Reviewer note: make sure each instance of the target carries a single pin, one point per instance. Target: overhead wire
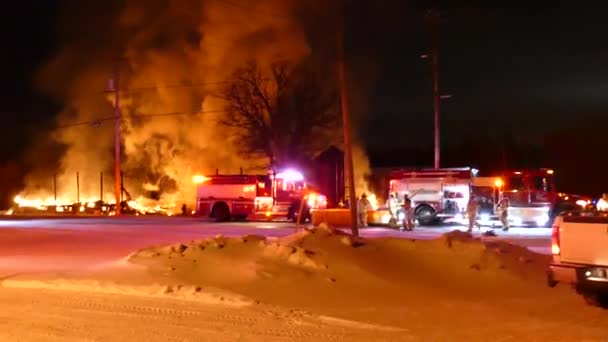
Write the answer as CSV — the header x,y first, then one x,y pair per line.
x,y
97,122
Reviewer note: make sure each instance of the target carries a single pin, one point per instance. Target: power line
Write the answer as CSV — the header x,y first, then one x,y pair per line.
x,y
97,122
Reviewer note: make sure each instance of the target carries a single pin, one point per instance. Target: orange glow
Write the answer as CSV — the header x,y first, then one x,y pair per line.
x,y
498,183
549,172
249,188
262,185
199,179
373,201
268,214
555,250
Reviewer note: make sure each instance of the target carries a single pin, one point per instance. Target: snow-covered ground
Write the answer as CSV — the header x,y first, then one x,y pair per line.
x,y
100,279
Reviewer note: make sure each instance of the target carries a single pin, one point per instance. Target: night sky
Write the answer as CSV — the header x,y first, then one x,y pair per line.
x,y
524,75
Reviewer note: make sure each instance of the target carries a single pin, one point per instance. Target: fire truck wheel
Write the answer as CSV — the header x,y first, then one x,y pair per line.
x,y
425,215
221,212
294,211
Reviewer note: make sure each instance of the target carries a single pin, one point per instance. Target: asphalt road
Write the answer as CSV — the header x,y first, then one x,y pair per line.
x,y
63,244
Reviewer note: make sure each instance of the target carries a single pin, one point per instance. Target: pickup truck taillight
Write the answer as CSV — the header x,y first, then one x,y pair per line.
x,y
555,250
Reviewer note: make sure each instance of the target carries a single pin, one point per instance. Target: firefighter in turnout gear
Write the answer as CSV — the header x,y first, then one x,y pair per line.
x,y
364,207
472,211
394,206
503,212
408,213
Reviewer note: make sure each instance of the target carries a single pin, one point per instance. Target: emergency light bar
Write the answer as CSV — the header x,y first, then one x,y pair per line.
x,y
290,176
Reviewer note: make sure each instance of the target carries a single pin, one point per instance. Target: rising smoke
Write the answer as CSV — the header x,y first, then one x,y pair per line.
x,y
174,57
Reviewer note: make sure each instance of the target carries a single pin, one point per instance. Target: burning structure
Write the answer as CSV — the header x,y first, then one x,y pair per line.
x,y
175,55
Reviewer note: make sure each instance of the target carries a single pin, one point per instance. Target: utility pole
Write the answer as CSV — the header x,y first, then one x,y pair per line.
x,y
117,138
434,17
348,151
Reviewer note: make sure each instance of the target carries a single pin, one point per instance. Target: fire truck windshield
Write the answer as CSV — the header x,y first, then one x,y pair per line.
x,y
516,183
264,188
542,183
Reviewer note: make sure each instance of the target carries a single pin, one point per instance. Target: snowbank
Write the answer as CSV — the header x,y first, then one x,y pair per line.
x,y
336,270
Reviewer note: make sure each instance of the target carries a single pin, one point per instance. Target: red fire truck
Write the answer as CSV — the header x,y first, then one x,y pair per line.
x,y
270,196
442,194
533,198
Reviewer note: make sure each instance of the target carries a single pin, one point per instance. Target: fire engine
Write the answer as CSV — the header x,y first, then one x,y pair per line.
x,y
533,198
442,194
271,196
436,194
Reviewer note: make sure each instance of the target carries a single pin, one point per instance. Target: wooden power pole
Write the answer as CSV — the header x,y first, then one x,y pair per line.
x,y
348,151
434,18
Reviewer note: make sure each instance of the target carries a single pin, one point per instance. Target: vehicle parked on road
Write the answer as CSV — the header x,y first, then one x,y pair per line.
x,y
246,196
580,254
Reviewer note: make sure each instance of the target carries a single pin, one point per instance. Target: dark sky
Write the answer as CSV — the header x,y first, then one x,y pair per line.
x,y
27,35
522,71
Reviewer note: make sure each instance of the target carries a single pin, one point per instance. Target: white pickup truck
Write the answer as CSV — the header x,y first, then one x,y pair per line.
x,y
579,246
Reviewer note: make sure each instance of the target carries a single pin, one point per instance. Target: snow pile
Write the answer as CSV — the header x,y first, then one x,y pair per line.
x,y
336,269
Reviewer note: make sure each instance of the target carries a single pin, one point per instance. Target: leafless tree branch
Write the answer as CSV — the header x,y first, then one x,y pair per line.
x,y
277,113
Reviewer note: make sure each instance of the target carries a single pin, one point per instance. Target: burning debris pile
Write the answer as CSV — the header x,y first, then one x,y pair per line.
x,y
173,64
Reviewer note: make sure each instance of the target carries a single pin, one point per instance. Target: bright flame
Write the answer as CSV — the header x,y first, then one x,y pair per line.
x,y
32,203
42,204
373,201
140,205
498,183
316,201
199,179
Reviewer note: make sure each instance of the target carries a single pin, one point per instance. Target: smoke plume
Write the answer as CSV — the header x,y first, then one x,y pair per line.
x,y
174,57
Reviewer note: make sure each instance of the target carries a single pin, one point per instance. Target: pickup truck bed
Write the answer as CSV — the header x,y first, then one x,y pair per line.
x,y
580,253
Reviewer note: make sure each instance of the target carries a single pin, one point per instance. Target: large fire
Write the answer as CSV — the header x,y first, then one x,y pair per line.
x,y
175,56
174,60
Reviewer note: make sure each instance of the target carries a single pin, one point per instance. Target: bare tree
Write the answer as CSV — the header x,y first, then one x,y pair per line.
x,y
281,113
